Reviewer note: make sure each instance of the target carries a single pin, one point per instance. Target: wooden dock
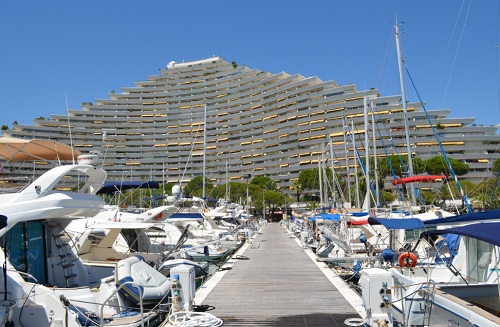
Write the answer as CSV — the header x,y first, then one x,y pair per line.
x,y
277,283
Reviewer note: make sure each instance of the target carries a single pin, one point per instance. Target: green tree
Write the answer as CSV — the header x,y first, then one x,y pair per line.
x,y
387,197
297,187
167,188
312,205
237,191
486,194
399,163
496,166
264,182
5,127
195,186
428,197
467,187
437,165
274,200
309,178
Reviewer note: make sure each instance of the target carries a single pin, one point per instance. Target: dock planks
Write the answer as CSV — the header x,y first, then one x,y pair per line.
x,y
279,285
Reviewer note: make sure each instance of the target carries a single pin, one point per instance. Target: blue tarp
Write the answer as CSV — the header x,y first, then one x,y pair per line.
x,y
488,232
397,223
186,215
325,216
469,217
330,216
112,187
453,242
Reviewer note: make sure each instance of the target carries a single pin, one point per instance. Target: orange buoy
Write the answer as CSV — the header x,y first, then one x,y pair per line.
x,y
407,259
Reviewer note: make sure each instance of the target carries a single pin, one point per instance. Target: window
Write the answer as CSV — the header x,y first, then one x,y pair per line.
x,y
26,247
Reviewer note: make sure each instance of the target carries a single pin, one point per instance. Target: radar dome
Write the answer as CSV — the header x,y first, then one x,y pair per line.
x,y
176,190
87,159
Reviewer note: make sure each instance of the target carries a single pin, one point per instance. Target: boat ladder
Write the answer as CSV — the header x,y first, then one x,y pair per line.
x,y
65,254
428,296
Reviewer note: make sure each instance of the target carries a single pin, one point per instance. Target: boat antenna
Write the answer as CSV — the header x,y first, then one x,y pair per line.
x,y
69,128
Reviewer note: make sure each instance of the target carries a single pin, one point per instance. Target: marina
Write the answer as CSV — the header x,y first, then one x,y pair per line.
x,y
285,214
73,260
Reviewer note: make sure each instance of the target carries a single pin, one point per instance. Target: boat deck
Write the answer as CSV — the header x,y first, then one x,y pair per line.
x,y
277,283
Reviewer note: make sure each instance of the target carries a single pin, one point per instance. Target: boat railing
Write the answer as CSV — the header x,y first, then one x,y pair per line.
x,y
116,291
429,293
25,274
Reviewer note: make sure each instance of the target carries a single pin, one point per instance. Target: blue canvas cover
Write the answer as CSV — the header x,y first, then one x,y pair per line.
x,y
186,215
397,223
330,216
487,231
453,242
469,217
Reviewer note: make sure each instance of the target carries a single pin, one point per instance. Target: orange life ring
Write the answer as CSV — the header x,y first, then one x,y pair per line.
x,y
407,259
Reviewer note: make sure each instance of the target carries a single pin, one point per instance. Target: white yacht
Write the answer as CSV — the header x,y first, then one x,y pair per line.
x,y
44,283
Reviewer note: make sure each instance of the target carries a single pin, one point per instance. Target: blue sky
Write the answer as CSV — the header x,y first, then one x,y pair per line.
x,y
82,50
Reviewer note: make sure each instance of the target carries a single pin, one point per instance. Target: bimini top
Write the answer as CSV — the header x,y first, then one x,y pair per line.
x,y
330,216
418,178
18,149
488,232
469,217
325,216
397,223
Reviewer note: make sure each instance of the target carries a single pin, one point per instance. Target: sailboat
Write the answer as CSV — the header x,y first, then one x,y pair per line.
x,y
453,281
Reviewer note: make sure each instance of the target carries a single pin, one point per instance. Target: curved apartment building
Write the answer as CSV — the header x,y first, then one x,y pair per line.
x,y
257,123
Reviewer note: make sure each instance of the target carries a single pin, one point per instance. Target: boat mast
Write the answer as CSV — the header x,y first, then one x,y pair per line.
x,y
348,177
227,184
323,171
334,177
70,137
320,182
405,112
204,146
377,191
355,163
367,154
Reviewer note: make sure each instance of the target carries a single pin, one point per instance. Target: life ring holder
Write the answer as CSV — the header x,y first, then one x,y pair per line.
x,y
407,259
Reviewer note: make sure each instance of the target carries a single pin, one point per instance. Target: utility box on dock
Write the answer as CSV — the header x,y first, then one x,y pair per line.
x,y
376,293
303,238
183,287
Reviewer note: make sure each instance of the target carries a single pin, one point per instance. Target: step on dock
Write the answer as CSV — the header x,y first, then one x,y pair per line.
x,y
277,283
